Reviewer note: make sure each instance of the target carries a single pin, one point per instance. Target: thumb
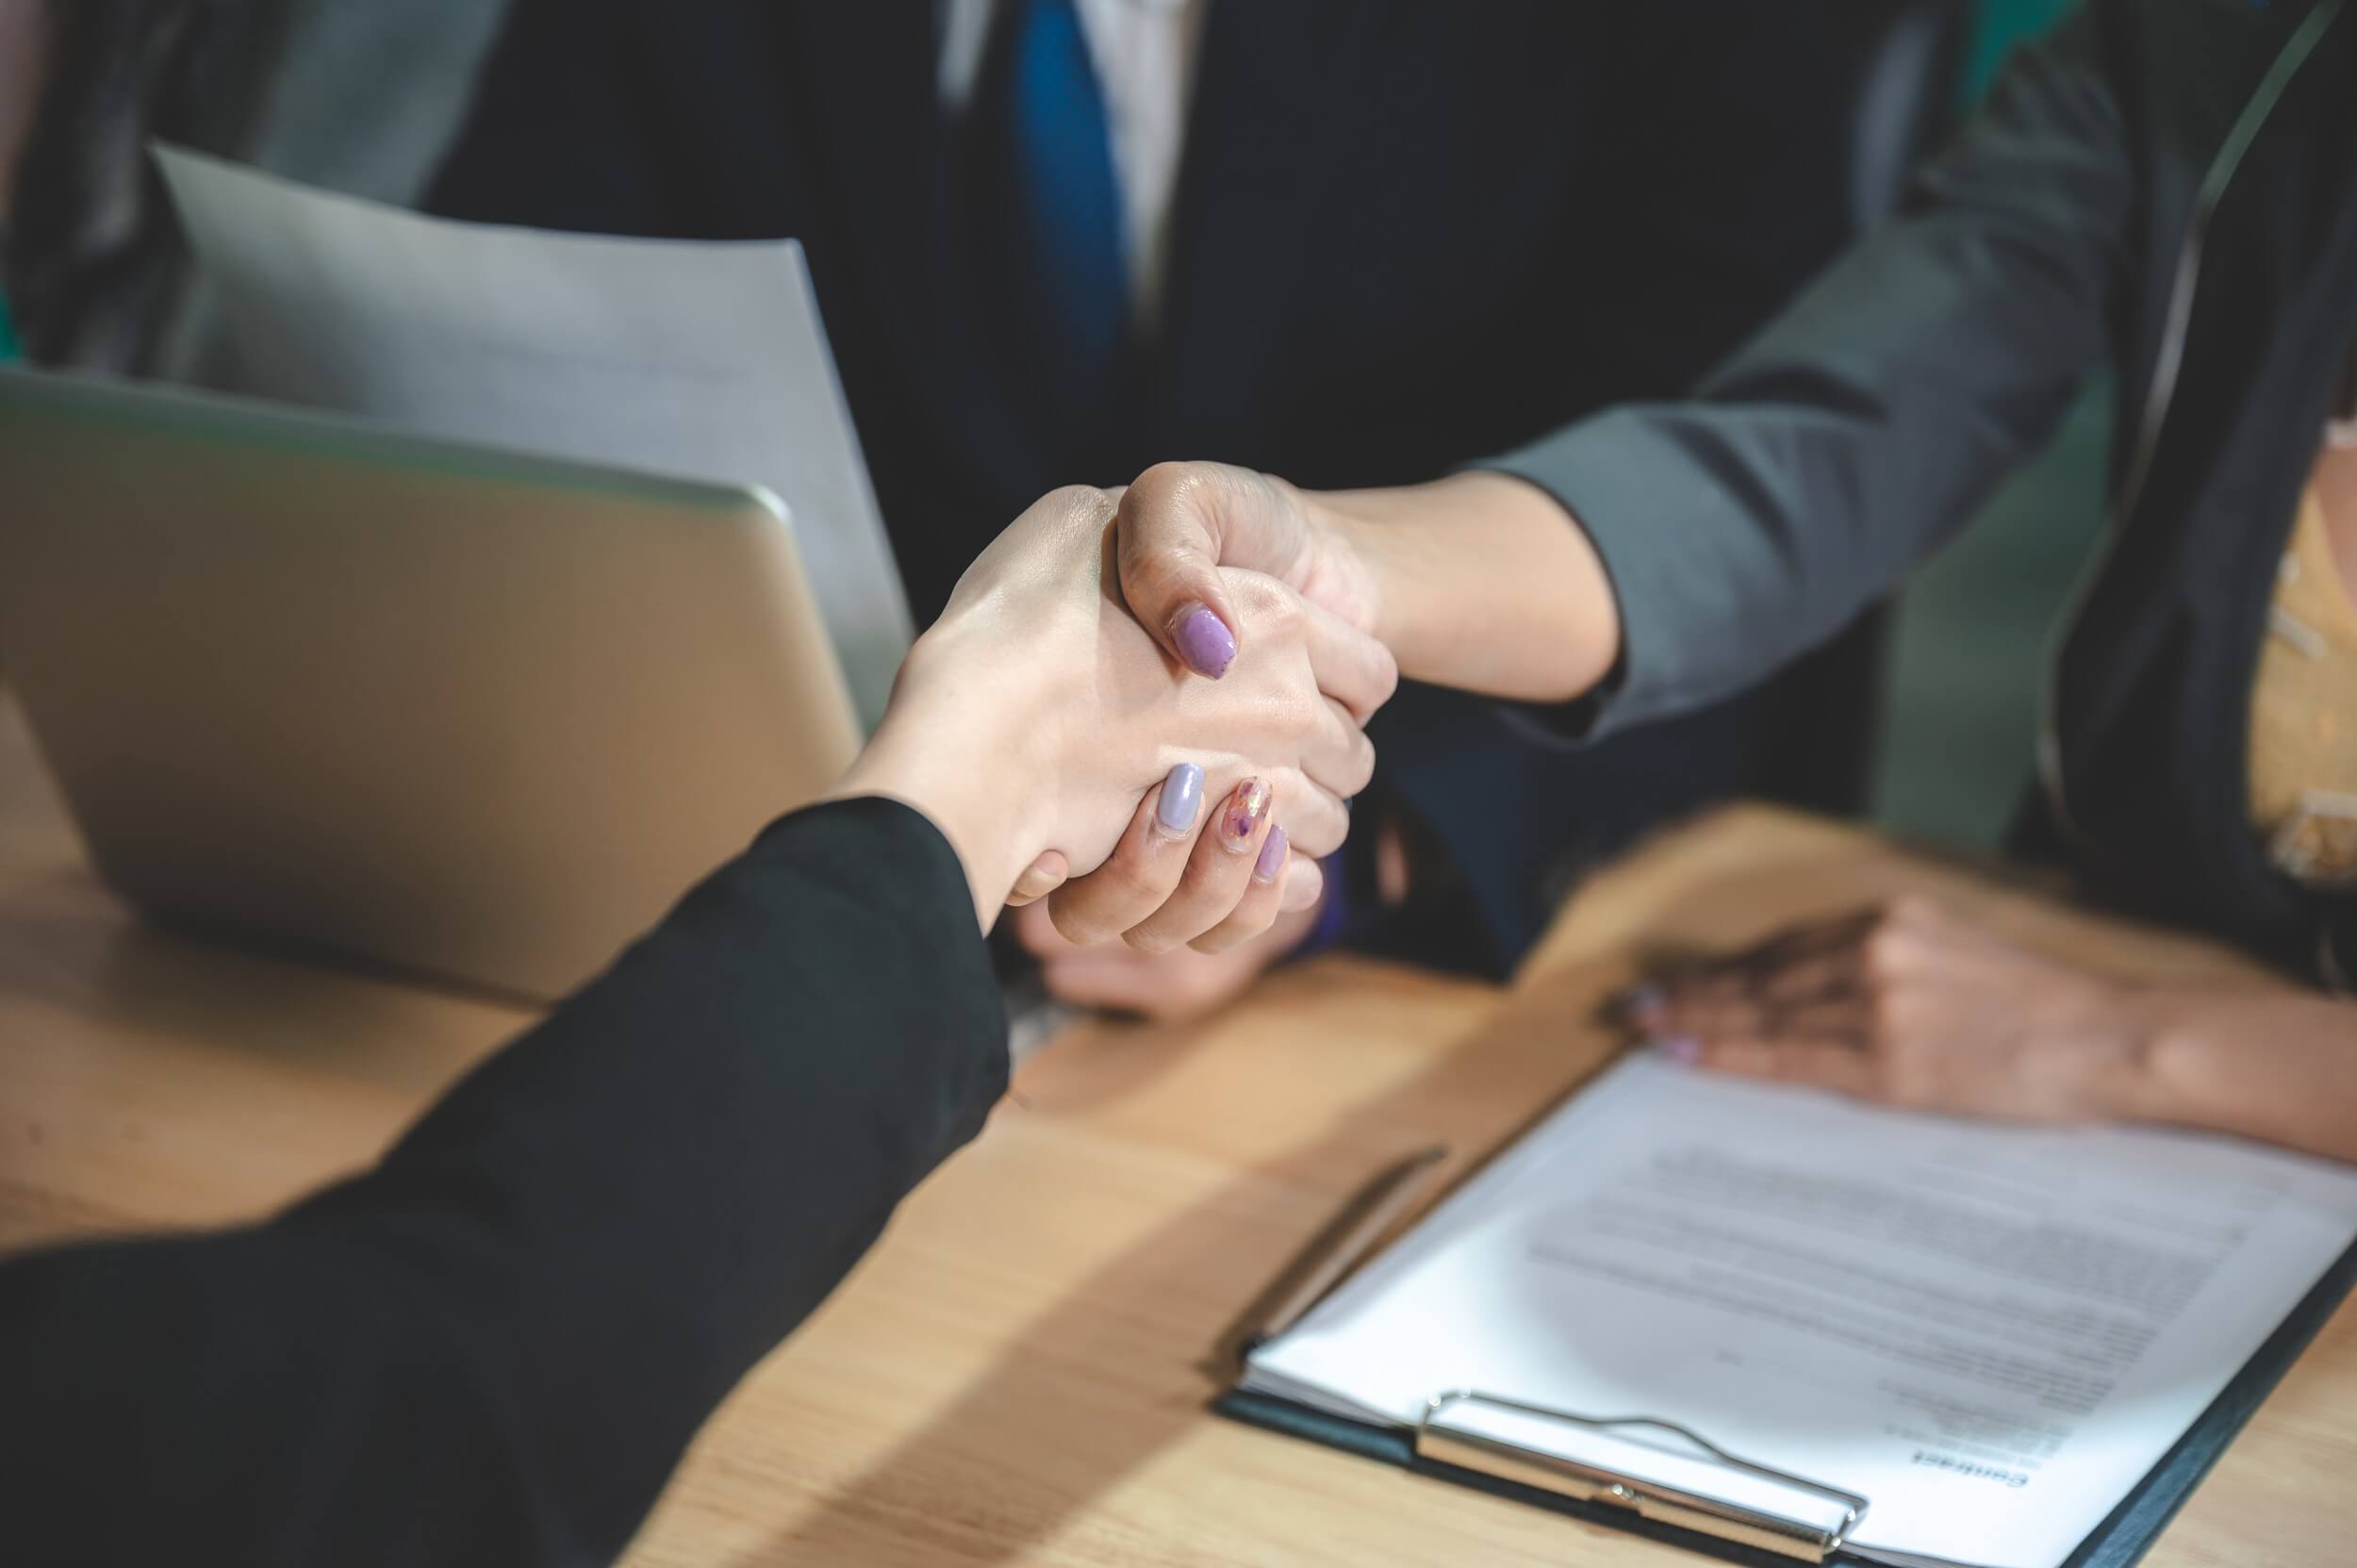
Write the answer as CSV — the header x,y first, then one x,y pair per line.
x,y
1175,526
1041,878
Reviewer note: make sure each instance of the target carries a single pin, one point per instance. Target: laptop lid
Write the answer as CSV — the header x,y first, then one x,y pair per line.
x,y
461,711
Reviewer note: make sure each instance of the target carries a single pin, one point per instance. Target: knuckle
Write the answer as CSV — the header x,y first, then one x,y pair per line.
x,y
1218,939
1137,883
1211,884
1267,603
1886,949
1251,917
1076,925
1163,482
1082,504
1117,895
1080,496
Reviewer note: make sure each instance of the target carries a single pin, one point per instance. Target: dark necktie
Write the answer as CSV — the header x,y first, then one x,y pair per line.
x,y
1053,281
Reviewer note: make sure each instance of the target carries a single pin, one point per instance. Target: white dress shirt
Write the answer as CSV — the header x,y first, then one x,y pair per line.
x,y
1143,51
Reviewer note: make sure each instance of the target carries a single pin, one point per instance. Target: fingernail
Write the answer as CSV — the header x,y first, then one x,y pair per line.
x,y
1181,801
1682,1048
1242,820
1204,641
1272,856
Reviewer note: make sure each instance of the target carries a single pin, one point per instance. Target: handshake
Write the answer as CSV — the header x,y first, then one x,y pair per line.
x,y
1147,708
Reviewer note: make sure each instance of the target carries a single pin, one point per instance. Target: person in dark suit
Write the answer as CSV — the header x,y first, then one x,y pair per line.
x,y
2167,188
493,1347
1359,241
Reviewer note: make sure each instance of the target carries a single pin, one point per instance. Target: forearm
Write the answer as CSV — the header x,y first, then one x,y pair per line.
x,y
1482,582
1740,528
496,1344
992,809
2277,1068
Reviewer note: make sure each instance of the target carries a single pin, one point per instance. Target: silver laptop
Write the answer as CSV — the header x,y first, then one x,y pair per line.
x,y
460,712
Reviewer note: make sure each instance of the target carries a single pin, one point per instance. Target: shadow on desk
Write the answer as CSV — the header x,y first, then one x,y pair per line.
x,y
1090,1391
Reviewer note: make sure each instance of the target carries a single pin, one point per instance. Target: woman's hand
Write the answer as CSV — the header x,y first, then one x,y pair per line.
x,y
1909,1006
1479,581
1165,987
1191,872
1035,717
1914,1006
1179,522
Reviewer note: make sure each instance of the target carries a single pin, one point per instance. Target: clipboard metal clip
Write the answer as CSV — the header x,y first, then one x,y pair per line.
x,y
1811,1540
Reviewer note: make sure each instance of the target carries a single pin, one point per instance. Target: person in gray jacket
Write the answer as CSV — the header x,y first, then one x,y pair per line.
x,y
2164,187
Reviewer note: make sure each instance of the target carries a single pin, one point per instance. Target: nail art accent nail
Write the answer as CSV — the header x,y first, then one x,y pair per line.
x,y
1242,820
1182,801
1682,1048
1272,856
1204,641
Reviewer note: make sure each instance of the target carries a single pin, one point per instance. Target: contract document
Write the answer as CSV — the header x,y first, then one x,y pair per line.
x,y
1989,1333
703,360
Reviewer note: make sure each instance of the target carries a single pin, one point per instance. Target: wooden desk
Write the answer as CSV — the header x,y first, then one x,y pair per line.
x,y
1014,1375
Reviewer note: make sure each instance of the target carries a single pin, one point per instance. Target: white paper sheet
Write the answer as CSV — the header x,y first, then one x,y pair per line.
x,y
701,359
1991,1332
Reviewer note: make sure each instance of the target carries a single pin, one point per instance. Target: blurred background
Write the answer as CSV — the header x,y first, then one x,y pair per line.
x,y
364,98
1967,656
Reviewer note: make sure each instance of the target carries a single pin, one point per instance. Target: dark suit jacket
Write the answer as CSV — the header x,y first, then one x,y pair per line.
x,y
1406,235
494,1348
2168,189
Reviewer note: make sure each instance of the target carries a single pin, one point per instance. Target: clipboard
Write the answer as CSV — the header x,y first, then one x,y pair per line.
x,y
1753,1537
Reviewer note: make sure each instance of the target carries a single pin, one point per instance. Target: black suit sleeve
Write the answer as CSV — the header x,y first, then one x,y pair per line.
x,y
494,1347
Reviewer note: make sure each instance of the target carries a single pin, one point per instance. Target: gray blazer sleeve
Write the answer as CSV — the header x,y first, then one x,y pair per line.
x,y
1858,430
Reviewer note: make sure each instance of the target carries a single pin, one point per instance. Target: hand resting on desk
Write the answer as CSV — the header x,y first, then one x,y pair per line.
x,y
1916,1006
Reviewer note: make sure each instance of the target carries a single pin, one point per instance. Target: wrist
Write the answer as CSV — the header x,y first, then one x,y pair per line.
x,y
2133,1071
959,744
1351,562
1481,581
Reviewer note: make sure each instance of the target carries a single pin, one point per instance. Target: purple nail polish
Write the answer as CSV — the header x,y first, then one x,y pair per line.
x,y
1272,856
1682,1048
1182,801
1245,809
1205,642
